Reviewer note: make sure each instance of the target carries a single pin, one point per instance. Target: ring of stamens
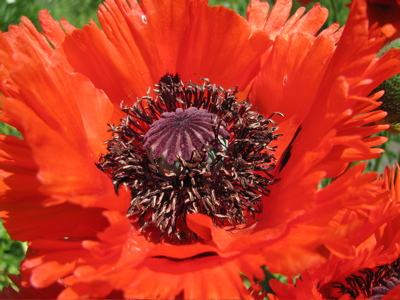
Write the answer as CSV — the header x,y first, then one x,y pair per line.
x,y
228,188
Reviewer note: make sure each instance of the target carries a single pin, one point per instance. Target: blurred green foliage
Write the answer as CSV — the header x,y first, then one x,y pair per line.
x,y
11,254
390,157
8,130
77,12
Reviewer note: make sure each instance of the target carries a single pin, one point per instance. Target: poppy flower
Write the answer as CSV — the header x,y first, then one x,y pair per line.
x,y
373,272
188,189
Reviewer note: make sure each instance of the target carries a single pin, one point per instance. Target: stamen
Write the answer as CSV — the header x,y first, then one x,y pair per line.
x,y
191,149
374,283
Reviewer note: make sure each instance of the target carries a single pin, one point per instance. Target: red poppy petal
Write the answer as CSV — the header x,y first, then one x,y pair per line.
x,y
277,18
53,30
386,2
277,22
77,129
145,42
98,289
286,90
257,13
292,86
384,15
310,23
22,290
393,294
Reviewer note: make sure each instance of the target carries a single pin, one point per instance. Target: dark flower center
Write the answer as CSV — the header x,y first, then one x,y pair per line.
x,y
180,133
190,149
373,284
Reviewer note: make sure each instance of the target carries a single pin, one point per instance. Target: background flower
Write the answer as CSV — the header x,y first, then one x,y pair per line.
x,y
376,243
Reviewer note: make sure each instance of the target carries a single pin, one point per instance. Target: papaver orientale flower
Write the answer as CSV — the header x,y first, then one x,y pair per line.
x,y
180,147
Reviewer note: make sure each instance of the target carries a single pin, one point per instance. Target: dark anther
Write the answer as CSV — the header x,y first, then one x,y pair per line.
x,y
288,151
187,149
373,284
